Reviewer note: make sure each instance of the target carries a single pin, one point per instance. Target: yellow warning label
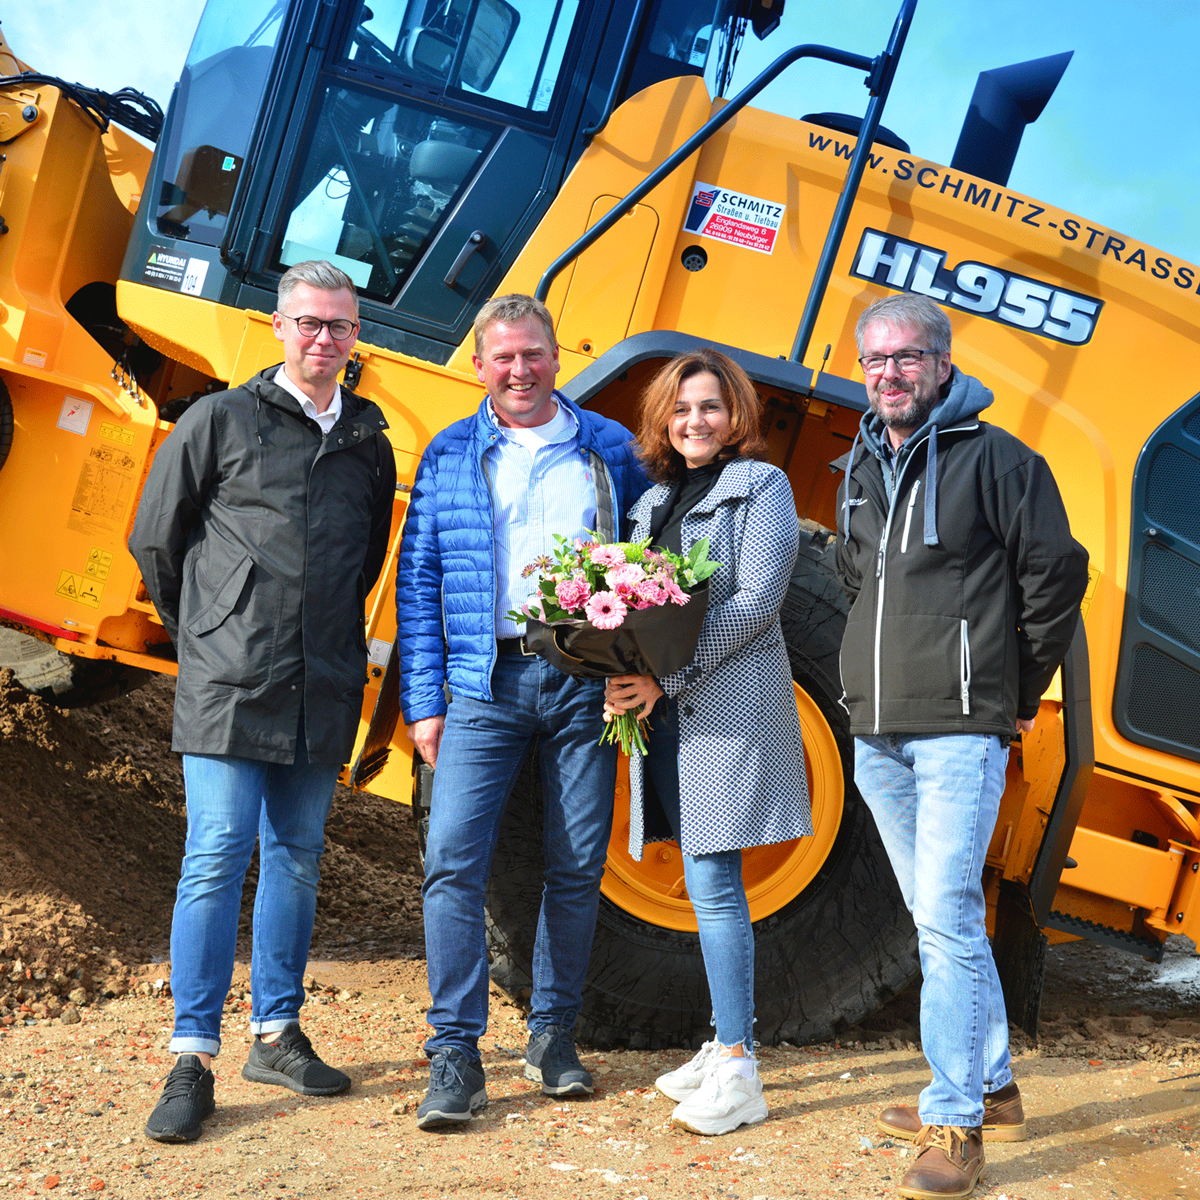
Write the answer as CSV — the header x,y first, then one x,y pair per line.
x,y
99,563
117,433
77,588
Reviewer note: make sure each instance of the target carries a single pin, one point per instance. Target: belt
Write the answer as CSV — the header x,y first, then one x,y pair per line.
x,y
512,646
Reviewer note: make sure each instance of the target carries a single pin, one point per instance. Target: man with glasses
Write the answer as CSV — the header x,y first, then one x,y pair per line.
x,y
262,527
965,584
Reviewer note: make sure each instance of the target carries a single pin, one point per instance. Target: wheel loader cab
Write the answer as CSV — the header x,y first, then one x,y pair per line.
x,y
414,143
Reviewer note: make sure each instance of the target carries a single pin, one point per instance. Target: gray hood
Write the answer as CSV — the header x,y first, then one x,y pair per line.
x,y
963,399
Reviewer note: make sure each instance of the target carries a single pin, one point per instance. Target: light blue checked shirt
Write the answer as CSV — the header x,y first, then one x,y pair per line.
x,y
540,485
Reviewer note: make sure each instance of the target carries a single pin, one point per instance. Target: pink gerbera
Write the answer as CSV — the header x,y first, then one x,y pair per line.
x,y
605,610
675,593
608,556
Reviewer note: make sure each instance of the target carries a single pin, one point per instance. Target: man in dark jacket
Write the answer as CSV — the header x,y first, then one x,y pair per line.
x,y
491,492
263,525
965,584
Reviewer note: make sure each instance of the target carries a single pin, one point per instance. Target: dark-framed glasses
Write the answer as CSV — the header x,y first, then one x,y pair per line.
x,y
906,360
339,329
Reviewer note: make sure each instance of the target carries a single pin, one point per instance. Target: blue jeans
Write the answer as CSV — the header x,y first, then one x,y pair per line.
x,y
935,799
482,750
714,886
230,802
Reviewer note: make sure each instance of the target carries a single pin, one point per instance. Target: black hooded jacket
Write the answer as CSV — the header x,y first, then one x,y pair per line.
x,y
258,540
964,582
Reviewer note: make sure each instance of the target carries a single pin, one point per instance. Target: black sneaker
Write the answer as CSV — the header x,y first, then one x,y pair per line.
x,y
292,1062
551,1060
186,1102
456,1090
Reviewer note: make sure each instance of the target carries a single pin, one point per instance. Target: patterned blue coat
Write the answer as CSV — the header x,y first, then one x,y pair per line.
x,y
741,759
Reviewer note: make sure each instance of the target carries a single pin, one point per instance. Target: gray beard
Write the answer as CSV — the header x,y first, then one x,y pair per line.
x,y
915,421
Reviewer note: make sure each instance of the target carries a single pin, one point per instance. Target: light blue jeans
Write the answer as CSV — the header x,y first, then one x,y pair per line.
x,y
230,802
482,750
714,886
935,799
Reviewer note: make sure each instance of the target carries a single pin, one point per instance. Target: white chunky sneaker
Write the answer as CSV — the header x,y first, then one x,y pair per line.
x,y
680,1083
725,1100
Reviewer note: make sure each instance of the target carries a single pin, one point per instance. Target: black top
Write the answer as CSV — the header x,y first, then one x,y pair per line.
x,y
666,519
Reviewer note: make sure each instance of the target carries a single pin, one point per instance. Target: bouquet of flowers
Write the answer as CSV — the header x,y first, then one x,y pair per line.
x,y
604,609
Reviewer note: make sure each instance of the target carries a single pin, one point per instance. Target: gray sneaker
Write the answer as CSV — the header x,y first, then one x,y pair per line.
x,y
456,1090
552,1061
292,1062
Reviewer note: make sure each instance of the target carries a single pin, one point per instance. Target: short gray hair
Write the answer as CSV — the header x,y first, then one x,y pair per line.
x,y
508,310
905,308
317,274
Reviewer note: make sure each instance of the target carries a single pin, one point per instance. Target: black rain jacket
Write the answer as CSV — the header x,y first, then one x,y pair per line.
x,y
964,584
259,540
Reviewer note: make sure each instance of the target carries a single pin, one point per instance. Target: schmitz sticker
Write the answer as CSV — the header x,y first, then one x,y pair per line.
x,y
975,287
725,216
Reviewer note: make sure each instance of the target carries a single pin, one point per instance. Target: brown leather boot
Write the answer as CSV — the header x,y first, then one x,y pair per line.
x,y
1003,1118
949,1163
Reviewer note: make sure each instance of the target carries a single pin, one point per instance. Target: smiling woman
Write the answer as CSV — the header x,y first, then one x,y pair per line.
x,y
700,425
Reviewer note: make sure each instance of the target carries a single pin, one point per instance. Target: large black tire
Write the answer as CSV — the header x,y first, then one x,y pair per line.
x,y
64,679
824,960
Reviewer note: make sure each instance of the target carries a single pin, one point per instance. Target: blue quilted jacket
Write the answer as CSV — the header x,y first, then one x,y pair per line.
x,y
446,577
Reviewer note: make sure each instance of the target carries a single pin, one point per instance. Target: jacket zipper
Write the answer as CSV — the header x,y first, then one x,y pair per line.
x,y
881,575
881,564
492,539
964,651
912,501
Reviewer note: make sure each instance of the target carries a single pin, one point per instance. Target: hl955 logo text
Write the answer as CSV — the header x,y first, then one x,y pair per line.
x,y
973,287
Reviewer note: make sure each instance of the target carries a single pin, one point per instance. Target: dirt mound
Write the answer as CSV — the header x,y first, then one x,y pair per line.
x,y
92,826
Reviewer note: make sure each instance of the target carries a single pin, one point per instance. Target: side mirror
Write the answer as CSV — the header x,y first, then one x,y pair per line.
x,y
493,24
427,52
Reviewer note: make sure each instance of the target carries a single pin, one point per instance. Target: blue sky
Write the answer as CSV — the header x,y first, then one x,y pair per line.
x,y
1117,143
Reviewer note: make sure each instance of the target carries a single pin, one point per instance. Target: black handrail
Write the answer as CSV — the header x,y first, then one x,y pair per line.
x,y
623,206
880,85
622,70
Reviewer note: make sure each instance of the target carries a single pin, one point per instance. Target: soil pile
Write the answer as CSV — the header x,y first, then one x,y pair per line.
x,y
92,828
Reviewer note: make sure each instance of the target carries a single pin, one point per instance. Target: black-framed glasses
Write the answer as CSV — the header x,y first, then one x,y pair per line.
x,y
906,360
339,329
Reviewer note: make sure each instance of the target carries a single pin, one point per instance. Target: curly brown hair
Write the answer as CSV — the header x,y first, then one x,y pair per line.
x,y
663,463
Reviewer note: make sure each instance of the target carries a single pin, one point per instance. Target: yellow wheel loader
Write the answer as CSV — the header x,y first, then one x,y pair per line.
x,y
445,151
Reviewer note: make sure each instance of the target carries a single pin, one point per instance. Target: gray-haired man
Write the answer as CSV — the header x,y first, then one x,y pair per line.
x,y
964,581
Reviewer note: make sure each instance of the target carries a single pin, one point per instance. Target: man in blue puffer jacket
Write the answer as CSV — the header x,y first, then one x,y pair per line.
x,y
491,492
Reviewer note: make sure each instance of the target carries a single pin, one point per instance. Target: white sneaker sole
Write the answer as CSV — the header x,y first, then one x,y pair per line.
x,y
438,1118
750,1113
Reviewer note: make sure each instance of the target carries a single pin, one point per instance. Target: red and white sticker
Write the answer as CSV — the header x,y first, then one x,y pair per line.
x,y
727,216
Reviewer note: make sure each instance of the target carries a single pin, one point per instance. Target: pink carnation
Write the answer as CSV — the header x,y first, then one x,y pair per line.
x,y
608,556
650,594
605,610
572,593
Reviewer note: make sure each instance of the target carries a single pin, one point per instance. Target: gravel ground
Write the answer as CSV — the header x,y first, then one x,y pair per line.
x,y
91,832
1111,1099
